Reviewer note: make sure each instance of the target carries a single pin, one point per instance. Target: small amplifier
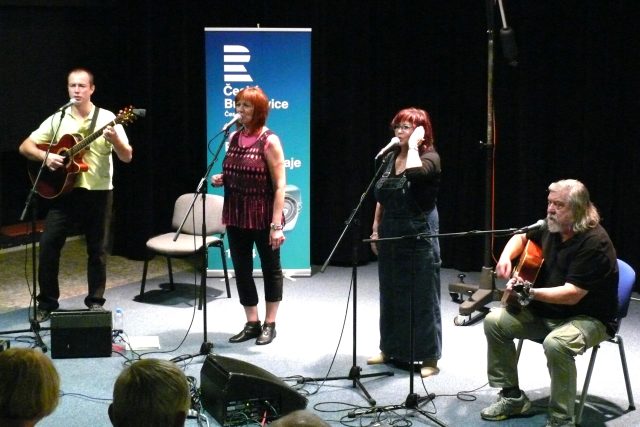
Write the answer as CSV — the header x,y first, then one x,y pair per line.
x,y
80,333
236,392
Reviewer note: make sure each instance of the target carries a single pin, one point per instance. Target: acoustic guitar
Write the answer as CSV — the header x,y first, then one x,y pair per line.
x,y
526,271
51,184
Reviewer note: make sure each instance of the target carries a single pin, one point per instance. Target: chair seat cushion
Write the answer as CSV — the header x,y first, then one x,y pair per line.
x,y
185,244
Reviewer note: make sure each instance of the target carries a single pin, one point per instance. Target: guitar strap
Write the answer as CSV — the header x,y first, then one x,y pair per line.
x,y
94,119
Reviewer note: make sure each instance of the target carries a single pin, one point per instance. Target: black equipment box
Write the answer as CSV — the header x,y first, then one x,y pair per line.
x,y
233,390
80,333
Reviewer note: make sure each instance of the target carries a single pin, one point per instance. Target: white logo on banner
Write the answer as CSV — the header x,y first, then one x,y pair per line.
x,y
234,58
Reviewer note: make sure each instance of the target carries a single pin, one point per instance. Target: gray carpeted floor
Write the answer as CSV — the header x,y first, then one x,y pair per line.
x,y
315,340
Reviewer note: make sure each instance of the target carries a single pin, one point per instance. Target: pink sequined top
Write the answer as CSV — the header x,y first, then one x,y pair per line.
x,y
248,189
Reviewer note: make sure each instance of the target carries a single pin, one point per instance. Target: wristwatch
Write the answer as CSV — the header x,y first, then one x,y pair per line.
x,y
275,226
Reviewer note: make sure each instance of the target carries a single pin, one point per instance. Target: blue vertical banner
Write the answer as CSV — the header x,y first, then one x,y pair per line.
x,y
278,60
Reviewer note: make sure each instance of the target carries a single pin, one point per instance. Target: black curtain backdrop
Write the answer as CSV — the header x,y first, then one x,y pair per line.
x,y
568,110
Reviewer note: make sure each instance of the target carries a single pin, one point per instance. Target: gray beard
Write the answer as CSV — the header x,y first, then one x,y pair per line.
x,y
553,226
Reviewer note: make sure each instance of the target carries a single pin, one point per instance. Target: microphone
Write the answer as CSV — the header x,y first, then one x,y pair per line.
x,y
395,141
509,46
541,223
71,102
140,112
235,118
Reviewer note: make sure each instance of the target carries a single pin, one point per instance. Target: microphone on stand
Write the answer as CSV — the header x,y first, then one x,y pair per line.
x,y
140,112
509,46
71,102
230,123
541,223
395,141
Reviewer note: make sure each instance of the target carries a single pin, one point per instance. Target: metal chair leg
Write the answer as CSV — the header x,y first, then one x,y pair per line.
x,y
172,286
144,276
585,386
224,268
623,359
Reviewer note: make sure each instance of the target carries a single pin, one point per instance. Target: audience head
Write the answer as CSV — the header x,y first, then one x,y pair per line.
x,y
152,393
29,386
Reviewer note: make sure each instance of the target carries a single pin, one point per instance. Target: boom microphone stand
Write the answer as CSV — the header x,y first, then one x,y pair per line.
x,y
201,191
33,322
355,372
413,400
30,205
486,291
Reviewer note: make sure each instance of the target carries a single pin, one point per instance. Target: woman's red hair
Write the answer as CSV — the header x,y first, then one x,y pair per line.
x,y
416,117
260,102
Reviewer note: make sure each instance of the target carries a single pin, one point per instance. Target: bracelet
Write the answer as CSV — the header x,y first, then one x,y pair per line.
x,y
275,226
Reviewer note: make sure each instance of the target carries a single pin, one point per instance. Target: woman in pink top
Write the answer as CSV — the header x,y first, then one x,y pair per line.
x,y
253,177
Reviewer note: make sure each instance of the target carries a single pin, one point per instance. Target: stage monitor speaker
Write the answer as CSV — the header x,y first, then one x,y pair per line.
x,y
80,333
235,392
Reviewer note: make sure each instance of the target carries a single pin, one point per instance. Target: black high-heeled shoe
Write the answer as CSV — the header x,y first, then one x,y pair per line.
x,y
251,330
268,333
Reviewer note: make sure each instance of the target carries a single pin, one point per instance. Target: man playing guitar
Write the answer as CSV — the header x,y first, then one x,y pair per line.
x,y
88,201
571,308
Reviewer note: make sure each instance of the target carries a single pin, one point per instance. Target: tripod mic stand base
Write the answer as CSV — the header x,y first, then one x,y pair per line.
x,y
355,376
35,328
206,348
414,400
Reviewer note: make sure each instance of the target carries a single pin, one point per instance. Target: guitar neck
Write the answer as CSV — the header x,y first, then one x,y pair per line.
x,y
89,139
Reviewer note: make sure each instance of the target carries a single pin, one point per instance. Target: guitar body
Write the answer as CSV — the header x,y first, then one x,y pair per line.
x,y
527,270
529,263
72,147
53,183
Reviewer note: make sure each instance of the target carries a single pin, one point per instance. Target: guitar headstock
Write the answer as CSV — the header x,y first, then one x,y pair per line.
x,y
129,114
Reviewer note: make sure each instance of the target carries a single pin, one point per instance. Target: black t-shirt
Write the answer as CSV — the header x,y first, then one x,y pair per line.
x,y
424,181
588,261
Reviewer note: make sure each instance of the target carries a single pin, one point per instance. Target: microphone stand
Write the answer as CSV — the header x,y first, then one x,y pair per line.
x,y
355,372
482,293
494,293
201,190
414,400
30,205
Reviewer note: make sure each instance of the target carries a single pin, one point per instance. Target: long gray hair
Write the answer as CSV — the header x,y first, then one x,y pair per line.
x,y
585,214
